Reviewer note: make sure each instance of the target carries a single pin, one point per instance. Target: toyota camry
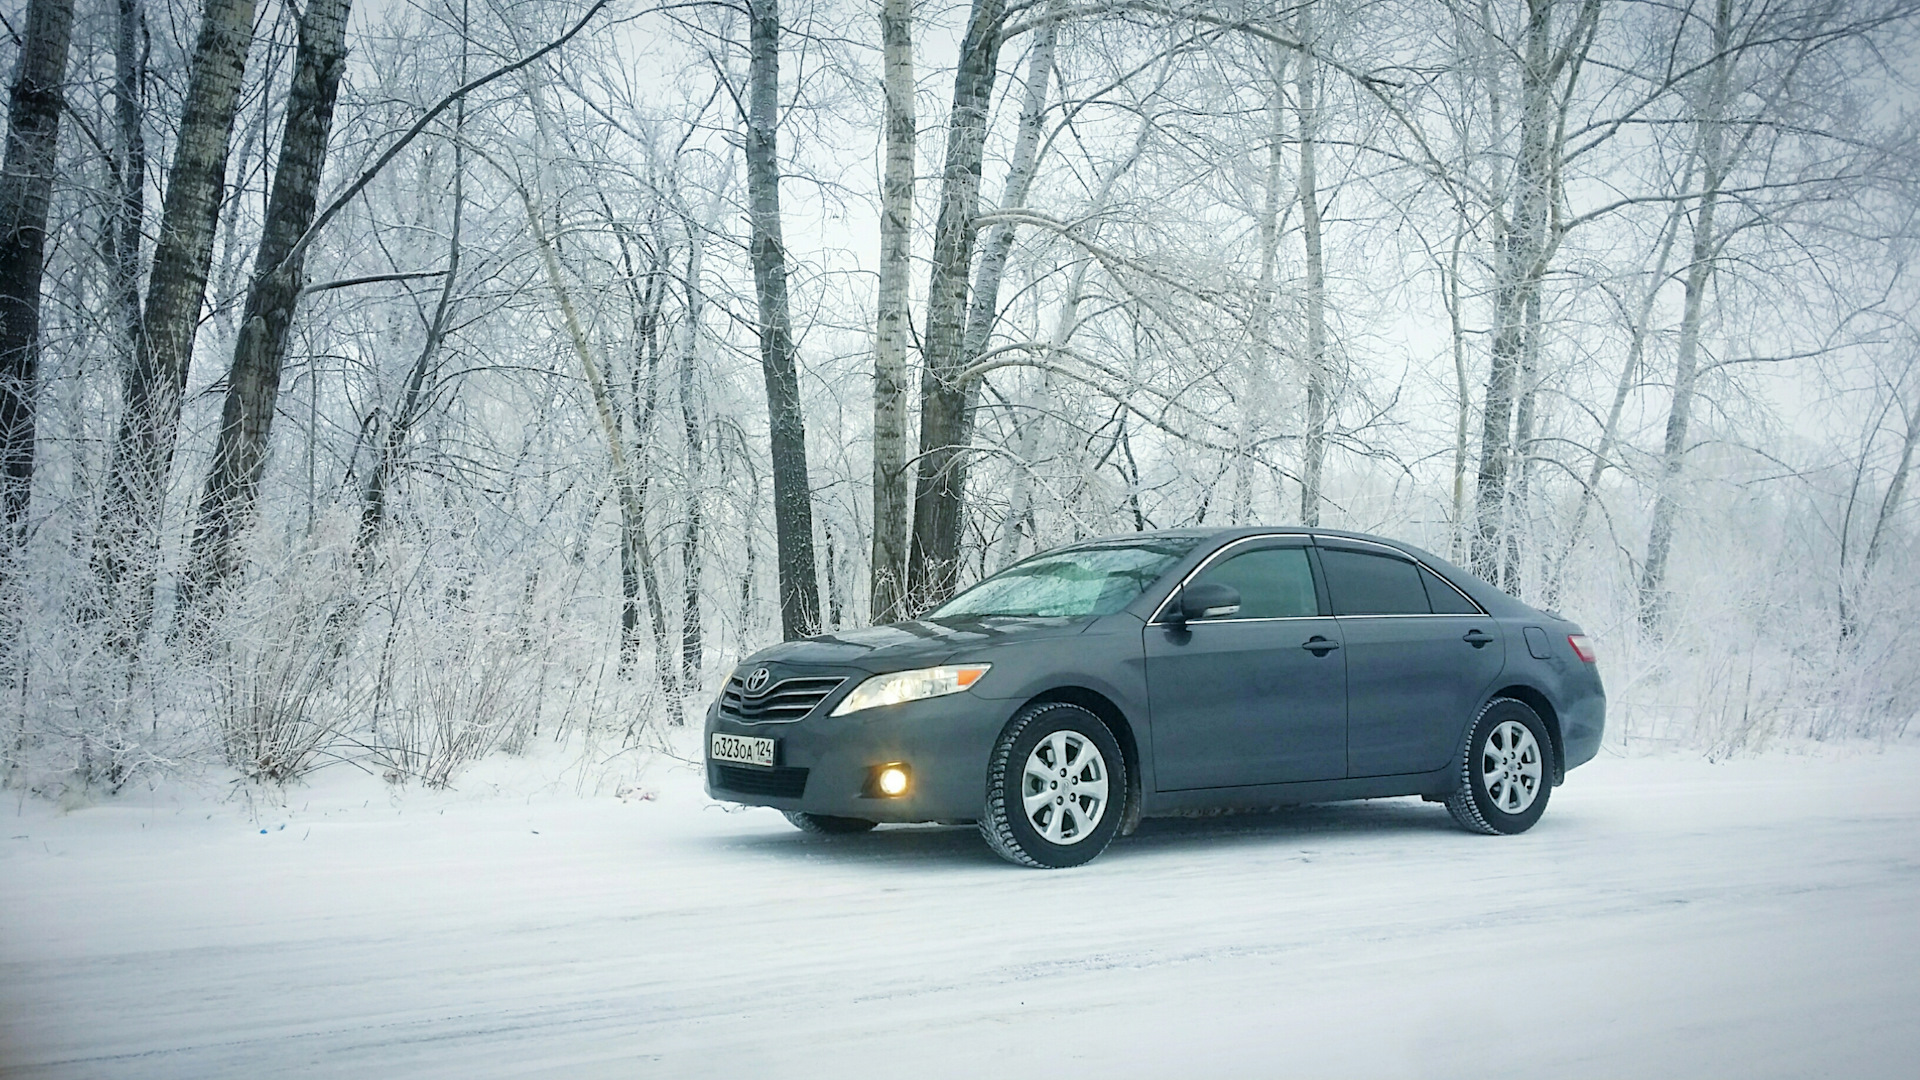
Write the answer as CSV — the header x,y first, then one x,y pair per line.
x,y
1061,700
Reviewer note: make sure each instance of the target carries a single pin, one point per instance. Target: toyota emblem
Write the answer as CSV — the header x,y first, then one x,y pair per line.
x,y
757,681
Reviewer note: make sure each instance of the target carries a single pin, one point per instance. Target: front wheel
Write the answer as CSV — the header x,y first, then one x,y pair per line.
x,y
1506,776
1056,787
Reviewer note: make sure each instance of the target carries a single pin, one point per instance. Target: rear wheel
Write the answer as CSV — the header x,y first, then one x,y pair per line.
x,y
1506,776
1056,787
824,825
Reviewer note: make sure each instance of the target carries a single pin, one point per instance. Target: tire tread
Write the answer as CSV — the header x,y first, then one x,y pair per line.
x,y
995,826
1461,804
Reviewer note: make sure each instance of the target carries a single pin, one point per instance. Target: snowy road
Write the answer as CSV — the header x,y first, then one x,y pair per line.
x,y
1669,917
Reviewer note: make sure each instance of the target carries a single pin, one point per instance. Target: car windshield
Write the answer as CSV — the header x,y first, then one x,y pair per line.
x,y
1098,579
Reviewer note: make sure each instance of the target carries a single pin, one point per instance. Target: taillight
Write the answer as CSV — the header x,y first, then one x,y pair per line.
x,y
1582,648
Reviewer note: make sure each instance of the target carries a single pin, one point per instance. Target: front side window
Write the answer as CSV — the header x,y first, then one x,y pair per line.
x,y
1273,583
1098,579
1366,584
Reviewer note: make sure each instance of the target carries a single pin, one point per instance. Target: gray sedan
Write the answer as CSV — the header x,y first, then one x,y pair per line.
x,y
1058,702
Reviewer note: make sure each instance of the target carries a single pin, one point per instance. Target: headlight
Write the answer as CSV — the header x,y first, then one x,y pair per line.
x,y
899,686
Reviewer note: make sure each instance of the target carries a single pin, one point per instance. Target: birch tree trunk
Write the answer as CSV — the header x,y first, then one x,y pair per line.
x,y
1713,173
128,540
1314,445
259,354
1463,400
939,482
792,492
690,630
130,48
893,332
26,191
983,309
1255,387
1517,270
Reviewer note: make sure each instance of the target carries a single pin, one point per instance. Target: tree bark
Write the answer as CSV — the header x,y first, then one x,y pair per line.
x,y
130,49
259,355
1713,172
1463,401
26,192
1517,274
983,309
691,639
1256,385
1314,445
893,332
939,482
127,543
792,491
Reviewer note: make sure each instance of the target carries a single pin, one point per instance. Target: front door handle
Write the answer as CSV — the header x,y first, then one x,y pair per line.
x,y
1477,638
1319,646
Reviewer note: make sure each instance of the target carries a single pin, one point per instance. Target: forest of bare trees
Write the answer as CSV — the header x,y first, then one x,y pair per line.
x,y
390,385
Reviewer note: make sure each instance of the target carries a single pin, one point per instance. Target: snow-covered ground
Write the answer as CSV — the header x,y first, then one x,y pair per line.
x,y
1669,917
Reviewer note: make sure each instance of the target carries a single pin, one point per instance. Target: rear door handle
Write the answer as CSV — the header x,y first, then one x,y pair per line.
x,y
1319,646
1477,638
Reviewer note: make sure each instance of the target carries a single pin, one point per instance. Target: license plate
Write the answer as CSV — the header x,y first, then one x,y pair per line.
x,y
744,749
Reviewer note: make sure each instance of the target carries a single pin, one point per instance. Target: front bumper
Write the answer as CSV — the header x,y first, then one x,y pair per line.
x,y
944,741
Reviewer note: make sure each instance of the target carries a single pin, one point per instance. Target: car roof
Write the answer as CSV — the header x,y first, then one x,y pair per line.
x,y
1491,597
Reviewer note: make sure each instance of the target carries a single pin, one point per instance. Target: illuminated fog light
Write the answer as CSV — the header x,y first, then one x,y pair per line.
x,y
892,781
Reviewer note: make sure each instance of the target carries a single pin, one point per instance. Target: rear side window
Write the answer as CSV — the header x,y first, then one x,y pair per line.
x,y
1273,583
1364,584
1446,599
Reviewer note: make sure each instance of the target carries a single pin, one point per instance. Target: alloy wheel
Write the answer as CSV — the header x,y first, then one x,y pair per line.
x,y
1063,788
1510,767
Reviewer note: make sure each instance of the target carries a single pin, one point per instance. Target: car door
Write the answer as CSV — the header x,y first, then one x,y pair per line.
x,y
1419,657
1257,697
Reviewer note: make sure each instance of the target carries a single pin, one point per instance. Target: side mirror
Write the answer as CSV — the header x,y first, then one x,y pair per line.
x,y
1207,601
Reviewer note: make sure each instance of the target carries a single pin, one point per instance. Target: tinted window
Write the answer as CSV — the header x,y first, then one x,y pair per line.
x,y
1093,580
1274,583
1446,599
1364,584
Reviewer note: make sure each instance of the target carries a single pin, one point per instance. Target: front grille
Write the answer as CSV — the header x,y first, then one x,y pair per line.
x,y
780,783
788,699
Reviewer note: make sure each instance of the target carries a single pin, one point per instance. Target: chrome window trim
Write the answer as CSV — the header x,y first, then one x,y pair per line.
x,y
1266,619
1335,541
1222,550
1314,541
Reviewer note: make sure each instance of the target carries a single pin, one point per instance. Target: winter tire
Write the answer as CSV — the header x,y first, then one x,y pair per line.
x,y
1506,773
1056,787
823,825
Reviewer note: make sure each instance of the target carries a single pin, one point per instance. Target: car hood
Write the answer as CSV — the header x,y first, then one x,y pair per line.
x,y
896,646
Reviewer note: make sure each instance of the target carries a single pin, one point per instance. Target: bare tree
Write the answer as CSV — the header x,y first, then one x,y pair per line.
x,y
131,49
891,505
1314,444
253,378
26,188
939,483
1521,253
691,637
127,543
792,489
